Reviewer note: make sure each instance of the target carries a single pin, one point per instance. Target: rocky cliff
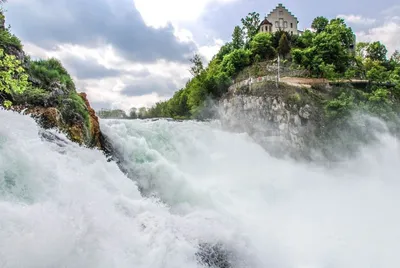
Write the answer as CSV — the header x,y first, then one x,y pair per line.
x,y
284,120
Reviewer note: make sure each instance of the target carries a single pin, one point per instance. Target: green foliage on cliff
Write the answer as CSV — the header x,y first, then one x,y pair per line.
x,y
13,77
7,39
261,47
329,46
48,72
379,102
73,109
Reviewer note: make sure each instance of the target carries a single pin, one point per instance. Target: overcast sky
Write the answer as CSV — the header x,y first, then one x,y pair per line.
x,y
126,53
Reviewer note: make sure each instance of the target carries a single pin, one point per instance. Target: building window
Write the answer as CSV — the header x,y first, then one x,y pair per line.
x,y
280,13
291,25
291,32
285,24
277,24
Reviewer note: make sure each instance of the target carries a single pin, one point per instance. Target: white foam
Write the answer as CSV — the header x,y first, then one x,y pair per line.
x,y
69,207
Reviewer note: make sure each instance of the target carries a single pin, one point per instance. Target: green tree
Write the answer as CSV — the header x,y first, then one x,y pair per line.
x,y
319,24
329,47
395,58
197,93
377,72
142,113
197,66
361,49
276,37
284,46
133,113
178,106
224,50
305,40
13,77
236,61
341,31
377,51
251,25
262,45
237,38
328,71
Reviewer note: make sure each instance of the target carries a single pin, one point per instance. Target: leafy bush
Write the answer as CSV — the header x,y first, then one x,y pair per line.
x,y
34,96
46,72
13,77
340,106
261,45
331,47
236,61
377,103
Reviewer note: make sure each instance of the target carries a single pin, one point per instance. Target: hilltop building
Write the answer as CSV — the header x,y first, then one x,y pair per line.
x,y
280,18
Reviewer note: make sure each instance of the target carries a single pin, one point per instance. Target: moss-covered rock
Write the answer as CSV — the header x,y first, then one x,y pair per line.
x,y
73,116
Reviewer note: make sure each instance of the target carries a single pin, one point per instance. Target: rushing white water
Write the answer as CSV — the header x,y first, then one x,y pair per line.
x,y
66,206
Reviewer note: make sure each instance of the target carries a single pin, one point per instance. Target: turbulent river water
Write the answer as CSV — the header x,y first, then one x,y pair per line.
x,y
186,184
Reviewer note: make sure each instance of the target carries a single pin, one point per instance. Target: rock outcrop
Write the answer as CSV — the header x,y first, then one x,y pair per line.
x,y
95,133
77,129
283,120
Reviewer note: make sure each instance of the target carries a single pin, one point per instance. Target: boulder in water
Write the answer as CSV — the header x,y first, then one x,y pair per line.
x,y
214,255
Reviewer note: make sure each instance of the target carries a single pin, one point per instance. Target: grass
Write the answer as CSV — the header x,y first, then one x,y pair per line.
x,y
7,39
50,71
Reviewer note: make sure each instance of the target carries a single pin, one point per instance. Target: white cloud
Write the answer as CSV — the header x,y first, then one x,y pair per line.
x,y
357,19
183,35
108,90
388,34
208,51
158,13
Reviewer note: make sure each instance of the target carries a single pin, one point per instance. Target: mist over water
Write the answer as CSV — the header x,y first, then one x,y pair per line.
x,y
188,183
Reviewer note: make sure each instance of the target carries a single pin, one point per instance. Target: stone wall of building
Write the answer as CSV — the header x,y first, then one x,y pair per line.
x,y
282,18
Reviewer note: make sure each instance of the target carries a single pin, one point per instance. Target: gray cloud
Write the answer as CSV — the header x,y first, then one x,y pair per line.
x,y
48,23
98,105
89,68
161,85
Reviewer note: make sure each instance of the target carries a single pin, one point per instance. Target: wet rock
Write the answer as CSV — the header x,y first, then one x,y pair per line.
x,y
46,117
18,53
95,132
305,112
214,255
